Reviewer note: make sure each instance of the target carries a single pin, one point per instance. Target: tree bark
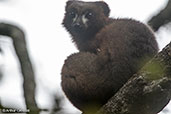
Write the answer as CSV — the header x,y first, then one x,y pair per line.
x,y
162,18
147,92
19,43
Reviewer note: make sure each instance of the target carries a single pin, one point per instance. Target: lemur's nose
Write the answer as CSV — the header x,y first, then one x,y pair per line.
x,y
77,25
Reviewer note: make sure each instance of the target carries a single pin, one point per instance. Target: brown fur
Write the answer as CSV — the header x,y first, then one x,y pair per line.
x,y
111,51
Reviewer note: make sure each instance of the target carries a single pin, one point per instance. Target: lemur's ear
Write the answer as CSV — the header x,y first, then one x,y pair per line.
x,y
104,6
68,3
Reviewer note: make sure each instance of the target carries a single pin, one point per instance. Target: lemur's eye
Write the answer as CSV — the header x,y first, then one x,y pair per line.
x,y
72,14
89,15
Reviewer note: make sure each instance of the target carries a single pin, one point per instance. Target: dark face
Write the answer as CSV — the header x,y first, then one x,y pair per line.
x,y
85,17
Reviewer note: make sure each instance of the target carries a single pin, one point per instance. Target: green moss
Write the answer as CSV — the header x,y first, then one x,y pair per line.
x,y
153,70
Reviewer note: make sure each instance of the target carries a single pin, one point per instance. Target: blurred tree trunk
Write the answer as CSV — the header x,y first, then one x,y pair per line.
x,y
19,42
162,18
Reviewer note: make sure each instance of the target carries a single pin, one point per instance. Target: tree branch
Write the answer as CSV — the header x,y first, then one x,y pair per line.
x,y
162,18
147,92
19,42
